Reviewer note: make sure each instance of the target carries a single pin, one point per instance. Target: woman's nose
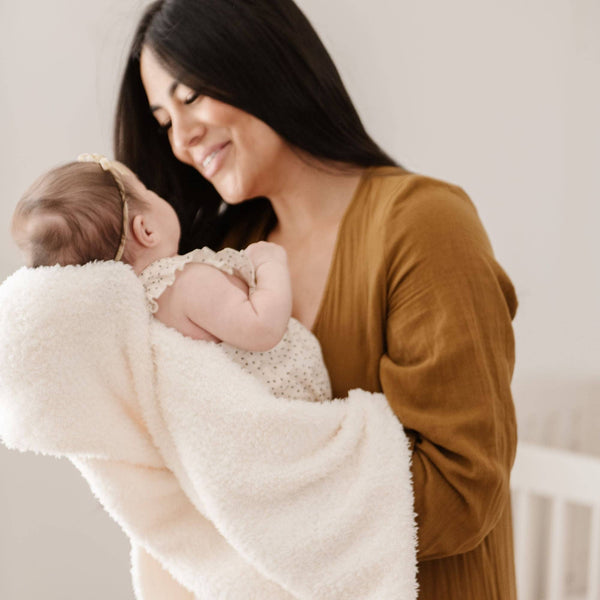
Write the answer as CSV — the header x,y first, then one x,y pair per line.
x,y
185,132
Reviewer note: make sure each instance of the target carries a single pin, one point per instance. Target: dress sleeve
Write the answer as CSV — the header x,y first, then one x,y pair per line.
x,y
448,364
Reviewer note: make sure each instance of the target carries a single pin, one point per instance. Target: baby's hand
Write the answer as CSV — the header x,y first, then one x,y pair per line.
x,y
262,252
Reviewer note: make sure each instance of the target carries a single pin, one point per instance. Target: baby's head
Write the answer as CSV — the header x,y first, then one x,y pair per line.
x,y
93,209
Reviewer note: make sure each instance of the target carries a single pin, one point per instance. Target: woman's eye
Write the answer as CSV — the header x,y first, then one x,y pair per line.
x,y
191,97
164,127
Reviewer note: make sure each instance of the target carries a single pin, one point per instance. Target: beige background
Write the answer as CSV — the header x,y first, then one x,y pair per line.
x,y
500,97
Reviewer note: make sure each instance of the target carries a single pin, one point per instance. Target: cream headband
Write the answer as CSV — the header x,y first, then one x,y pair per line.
x,y
112,167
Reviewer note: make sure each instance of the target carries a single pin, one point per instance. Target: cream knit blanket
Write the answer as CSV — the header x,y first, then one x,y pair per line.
x,y
235,493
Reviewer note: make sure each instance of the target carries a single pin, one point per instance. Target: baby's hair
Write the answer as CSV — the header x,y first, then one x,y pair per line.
x,y
73,215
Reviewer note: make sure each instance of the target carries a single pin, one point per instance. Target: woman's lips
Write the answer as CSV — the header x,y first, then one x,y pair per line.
x,y
214,159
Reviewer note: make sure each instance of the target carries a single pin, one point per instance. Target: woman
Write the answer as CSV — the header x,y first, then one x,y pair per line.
x,y
392,271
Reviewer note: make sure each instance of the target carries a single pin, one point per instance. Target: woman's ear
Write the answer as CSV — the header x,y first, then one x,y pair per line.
x,y
143,231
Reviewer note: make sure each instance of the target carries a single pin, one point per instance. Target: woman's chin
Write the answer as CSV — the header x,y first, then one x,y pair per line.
x,y
232,200
231,194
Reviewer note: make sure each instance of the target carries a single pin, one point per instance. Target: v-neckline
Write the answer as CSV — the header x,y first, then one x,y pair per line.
x,y
357,192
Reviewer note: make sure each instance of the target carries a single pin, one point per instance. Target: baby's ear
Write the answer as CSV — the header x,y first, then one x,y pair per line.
x,y
143,232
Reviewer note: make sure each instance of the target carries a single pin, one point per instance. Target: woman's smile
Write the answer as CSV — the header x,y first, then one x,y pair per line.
x,y
211,161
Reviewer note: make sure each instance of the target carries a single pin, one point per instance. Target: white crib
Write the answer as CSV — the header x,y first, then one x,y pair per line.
x,y
555,482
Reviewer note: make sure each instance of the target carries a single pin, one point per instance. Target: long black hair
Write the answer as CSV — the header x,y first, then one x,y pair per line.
x,y
262,56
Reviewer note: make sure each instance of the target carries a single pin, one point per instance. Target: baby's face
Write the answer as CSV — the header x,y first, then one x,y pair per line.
x,y
159,213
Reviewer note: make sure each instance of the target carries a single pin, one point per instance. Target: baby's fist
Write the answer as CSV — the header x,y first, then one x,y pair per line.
x,y
262,252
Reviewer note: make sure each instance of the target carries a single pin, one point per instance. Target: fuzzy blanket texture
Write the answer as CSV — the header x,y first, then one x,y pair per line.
x,y
224,490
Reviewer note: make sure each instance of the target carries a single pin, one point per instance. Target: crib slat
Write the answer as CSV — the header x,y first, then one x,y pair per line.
x,y
522,534
593,592
568,477
555,575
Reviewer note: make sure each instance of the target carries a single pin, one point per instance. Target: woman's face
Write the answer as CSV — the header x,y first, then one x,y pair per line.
x,y
238,153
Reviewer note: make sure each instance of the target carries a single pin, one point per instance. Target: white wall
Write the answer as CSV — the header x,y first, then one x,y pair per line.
x,y
500,97
59,69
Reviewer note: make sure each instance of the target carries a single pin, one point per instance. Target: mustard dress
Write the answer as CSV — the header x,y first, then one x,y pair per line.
x,y
417,307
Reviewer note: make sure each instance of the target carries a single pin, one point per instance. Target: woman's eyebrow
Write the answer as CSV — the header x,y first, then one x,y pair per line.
x,y
172,88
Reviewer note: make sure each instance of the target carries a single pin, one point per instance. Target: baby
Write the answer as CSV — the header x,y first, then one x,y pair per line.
x,y
97,209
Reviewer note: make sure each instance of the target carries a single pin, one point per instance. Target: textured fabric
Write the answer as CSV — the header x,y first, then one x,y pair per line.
x,y
228,488
417,307
293,369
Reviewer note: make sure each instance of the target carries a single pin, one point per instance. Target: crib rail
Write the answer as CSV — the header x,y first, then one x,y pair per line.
x,y
562,478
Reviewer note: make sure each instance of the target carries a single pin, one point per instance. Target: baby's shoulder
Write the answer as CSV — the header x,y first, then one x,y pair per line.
x,y
168,277
194,276
206,280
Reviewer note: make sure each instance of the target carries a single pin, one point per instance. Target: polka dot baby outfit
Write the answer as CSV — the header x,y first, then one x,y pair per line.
x,y
293,369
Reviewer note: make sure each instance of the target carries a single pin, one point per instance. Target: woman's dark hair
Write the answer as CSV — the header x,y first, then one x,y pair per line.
x,y
262,56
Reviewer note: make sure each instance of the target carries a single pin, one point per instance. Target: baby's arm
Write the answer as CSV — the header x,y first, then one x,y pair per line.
x,y
220,303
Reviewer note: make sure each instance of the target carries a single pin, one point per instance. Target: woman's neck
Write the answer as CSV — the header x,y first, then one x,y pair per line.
x,y
311,198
